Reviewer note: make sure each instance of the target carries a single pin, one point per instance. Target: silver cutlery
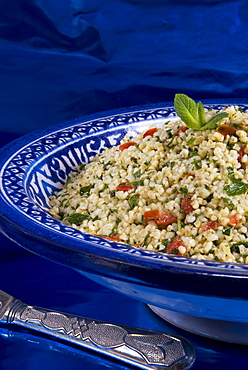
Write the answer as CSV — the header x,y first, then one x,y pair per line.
x,y
146,349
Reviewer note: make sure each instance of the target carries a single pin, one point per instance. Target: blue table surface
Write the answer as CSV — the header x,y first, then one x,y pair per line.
x,y
40,282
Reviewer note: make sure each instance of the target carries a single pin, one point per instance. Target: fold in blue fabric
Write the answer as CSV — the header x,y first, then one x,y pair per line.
x,y
63,59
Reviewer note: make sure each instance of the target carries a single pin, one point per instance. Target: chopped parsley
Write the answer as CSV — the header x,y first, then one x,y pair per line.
x,y
96,218
179,224
237,186
184,189
85,190
191,140
145,240
171,142
229,202
143,220
115,228
137,173
106,165
235,246
81,167
113,210
135,160
165,242
77,218
133,201
105,186
193,152
227,231
197,164
68,180
137,183
170,164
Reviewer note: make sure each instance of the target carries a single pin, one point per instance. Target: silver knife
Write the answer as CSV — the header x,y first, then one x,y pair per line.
x,y
146,349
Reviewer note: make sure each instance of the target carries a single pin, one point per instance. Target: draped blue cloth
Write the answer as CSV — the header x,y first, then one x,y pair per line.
x,y
67,58
61,59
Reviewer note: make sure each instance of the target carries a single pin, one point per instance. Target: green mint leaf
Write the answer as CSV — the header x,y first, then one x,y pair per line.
x,y
189,112
193,115
200,113
214,120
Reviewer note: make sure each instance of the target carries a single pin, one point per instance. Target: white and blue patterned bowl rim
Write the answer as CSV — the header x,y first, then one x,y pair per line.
x,y
31,171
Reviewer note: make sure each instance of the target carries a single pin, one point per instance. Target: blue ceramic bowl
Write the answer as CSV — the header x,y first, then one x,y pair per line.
x,y
36,165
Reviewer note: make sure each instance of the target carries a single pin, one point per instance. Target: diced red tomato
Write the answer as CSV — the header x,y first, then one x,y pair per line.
x,y
172,248
226,130
162,219
151,215
190,175
211,225
150,132
240,156
115,237
126,145
233,220
165,219
186,204
124,187
180,129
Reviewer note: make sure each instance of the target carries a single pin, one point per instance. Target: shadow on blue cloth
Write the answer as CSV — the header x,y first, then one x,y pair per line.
x,y
62,59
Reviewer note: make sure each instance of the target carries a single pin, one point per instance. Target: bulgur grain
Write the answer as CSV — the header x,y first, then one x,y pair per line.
x,y
177,190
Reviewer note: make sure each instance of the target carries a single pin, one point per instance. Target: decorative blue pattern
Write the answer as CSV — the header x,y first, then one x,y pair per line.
x,y
40,168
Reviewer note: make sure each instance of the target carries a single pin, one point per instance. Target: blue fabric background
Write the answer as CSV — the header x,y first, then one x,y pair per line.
x,y
62,59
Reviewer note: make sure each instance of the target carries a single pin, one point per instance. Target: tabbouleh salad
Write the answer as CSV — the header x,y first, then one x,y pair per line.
x,y
180,189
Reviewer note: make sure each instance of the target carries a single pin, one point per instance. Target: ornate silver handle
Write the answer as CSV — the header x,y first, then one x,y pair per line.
x,y
146,349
